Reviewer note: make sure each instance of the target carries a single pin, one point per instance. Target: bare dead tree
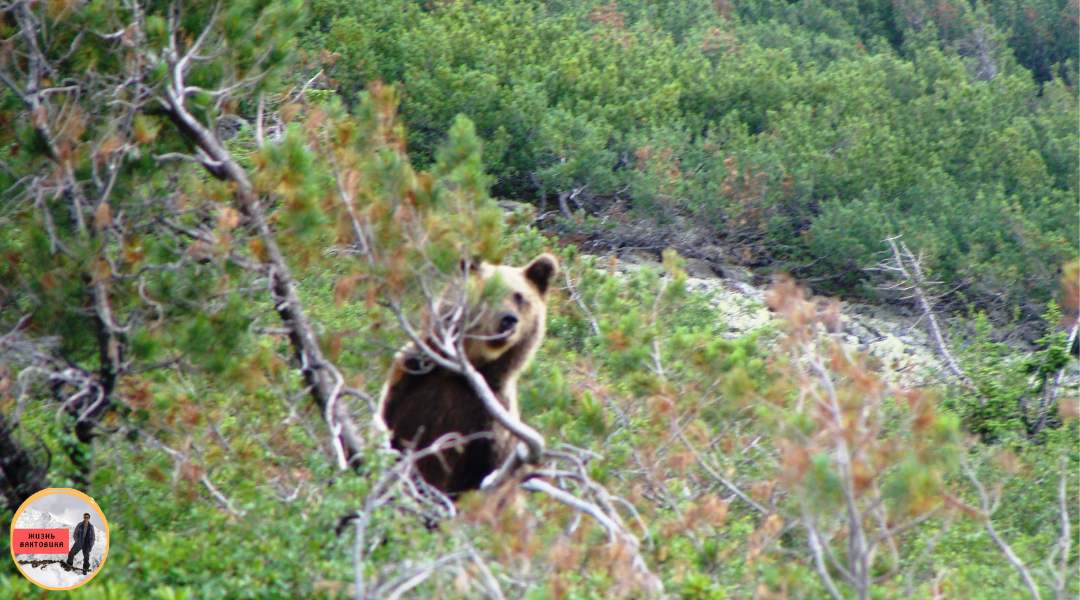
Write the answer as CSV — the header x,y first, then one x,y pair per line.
x,y
914,285
1050,383
982,50
1059,562
988,505
325,381
1058,568
48,102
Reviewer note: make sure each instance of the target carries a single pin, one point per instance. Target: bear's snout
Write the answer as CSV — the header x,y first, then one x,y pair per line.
x,y
507,322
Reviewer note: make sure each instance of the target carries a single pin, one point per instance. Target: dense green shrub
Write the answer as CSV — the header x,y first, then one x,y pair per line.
x,y
800,133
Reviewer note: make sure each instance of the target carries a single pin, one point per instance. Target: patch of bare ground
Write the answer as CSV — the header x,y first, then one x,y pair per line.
x,y
63,565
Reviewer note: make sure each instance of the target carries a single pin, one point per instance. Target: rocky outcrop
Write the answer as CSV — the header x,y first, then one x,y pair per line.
x,y
906,353
892,335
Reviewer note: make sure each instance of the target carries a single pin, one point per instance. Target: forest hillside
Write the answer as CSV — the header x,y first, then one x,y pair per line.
x,y
814,332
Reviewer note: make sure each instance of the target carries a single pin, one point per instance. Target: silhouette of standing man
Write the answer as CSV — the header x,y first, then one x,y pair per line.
x,y
84,541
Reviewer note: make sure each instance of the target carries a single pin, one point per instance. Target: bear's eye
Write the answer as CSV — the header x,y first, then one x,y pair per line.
x,y
519,300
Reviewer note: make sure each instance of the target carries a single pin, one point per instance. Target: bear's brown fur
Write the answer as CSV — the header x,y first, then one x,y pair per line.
x,y
422,401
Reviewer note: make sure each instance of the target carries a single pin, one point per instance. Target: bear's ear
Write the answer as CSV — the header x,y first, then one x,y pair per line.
x,y
541,271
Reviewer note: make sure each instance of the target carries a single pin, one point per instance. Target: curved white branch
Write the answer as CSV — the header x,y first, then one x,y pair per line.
x,y
532,438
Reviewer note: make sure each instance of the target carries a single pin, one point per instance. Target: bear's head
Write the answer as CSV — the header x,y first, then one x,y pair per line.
x,y
510,326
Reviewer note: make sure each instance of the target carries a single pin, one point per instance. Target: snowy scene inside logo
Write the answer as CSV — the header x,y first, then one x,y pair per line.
x,y
62,514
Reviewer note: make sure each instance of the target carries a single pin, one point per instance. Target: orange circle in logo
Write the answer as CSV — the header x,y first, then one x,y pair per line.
x,y
44,544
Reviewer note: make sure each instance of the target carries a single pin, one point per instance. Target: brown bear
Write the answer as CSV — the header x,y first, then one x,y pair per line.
x,y
423,401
